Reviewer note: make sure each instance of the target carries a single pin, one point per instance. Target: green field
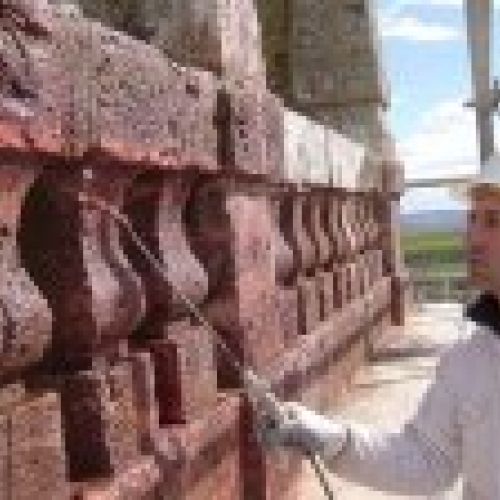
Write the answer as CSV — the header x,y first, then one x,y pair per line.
x,y
441,252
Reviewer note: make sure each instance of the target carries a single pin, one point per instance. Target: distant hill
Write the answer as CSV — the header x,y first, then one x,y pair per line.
x,y
434,221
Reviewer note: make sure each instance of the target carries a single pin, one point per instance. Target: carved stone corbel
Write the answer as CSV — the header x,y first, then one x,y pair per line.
x,y
314,224
293,211
156,204
74,254
181,349
292,217
331,222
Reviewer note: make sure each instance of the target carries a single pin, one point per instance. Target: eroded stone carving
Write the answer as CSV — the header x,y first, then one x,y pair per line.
x,y
25,318
156,205
74,253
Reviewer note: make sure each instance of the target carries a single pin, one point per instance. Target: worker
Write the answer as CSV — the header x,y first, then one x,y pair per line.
x,y
455,430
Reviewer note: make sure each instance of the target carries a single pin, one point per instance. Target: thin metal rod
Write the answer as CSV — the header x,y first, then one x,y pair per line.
x,y
319,469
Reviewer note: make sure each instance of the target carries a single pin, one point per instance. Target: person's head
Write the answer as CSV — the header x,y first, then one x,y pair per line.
x,y
483,238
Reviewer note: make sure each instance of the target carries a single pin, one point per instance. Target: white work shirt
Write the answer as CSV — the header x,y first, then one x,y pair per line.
x,y
454,431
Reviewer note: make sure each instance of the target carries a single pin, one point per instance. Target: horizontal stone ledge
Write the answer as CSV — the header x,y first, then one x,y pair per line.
x,y
19,141
313,349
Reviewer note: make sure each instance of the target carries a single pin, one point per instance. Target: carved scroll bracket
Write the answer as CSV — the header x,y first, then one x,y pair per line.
x,y
346,229
74,254
156,204
286,291
315,227
330,218
292,224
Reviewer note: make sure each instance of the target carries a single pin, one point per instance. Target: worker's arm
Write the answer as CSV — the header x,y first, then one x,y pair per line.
x,y
422,459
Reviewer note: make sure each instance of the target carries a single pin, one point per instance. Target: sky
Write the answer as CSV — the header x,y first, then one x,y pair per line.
x,y
425,58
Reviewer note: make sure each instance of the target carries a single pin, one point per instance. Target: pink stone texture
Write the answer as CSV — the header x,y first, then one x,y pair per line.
x,y
147,221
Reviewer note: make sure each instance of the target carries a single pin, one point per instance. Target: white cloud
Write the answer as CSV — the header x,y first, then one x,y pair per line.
x,y
412,28
394,23
443,144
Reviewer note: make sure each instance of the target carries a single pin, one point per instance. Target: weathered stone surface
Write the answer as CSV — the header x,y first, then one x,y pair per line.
x,y
309,304
202,457
165,111
136,372
156,204
25,318
234,241
95,295
250,131
185,373
37,462
219,35
4,457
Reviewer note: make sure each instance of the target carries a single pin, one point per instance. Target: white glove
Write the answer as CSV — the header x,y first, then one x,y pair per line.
x,y
293,425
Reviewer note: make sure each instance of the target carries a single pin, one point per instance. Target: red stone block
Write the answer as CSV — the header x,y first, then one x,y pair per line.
x,y
313,223
378,265
123,442
145,398
362,274
354,278
326,294
37,466
235,238
361,271
347,270
374,266
287,309
4,458
274,137
136,90
100,421
373,228
364,223
333,216
355,224
253,319
242,130
283,253
346,229
339,278
399,286
383,295
185,373
309,305
368,264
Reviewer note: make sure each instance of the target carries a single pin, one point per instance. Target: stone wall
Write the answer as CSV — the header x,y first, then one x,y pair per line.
x,y
265,221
